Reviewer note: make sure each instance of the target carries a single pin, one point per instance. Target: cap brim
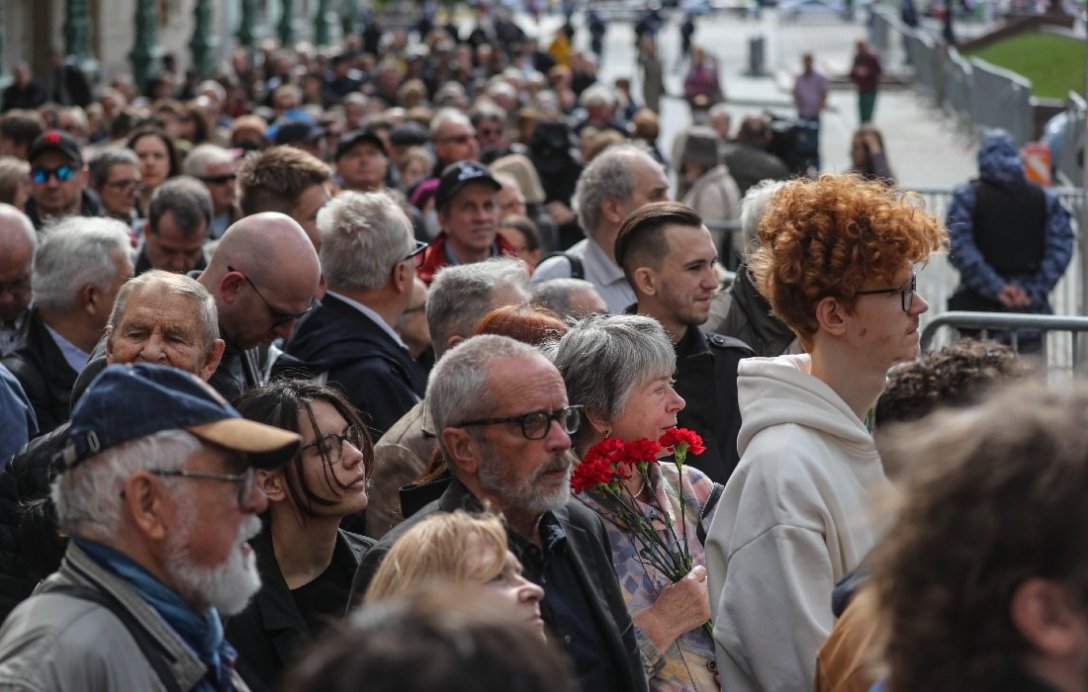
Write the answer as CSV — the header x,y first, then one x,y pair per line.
x,y
266,447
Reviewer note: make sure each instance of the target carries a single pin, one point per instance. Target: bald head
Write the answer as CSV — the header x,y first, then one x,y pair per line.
x,y
18,241
264,273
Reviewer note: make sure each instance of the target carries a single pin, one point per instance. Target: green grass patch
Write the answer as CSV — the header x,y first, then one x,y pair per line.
x,y
1054,64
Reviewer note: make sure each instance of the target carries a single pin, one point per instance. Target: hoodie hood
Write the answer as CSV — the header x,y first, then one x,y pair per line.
x,y
999,161
775,391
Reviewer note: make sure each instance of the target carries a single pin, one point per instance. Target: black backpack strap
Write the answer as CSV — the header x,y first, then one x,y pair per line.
x,y
711,503
151,650
577,271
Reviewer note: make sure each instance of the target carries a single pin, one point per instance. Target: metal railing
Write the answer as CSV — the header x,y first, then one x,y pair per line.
x,y
1062,337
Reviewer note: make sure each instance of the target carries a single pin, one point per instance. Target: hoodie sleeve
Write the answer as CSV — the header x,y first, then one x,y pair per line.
x,y
1056,254
965,256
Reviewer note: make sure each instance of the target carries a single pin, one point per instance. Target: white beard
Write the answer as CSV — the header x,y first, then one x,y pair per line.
x,y
227,587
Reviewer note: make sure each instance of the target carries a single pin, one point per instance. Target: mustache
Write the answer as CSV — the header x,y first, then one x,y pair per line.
x,y
249,529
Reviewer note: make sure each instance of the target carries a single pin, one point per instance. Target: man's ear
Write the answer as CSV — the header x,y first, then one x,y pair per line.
x,y
453,341
148,509
463,452
645,281
612,210
211,361
831,316
273,484
230,285
1048,615
403,277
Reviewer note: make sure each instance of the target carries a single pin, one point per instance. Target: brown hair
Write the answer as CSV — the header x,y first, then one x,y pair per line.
x,y
274,179
828,237
641,240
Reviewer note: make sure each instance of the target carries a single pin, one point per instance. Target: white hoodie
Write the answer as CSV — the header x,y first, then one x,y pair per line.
x,y
791,522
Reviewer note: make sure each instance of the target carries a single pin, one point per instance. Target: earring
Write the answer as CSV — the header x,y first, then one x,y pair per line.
x,y
607,433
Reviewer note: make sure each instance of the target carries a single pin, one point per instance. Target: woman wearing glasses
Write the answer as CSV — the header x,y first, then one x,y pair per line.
x,y
306,561
619,367
836,263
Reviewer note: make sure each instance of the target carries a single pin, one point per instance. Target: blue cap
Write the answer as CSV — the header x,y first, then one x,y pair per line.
x,y
126,402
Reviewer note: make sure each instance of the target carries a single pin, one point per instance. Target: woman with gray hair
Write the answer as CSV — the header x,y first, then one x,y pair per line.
x,y
620,367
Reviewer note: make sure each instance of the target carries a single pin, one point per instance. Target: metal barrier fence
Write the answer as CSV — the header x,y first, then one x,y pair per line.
x,y
1062,338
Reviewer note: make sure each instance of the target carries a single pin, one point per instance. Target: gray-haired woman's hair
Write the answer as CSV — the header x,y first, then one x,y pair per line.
x,y
457,388
363,236
752,208
462,294
556,294
101,163
178,284
603,358
73,253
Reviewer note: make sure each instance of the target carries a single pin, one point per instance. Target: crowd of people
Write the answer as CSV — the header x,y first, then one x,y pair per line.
x,y
400,367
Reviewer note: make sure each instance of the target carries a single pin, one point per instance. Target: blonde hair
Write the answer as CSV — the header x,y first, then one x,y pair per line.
x,y
439,549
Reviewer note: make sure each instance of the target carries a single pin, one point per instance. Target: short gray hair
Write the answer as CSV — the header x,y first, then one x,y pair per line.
x,y
457,388
448,115
462,294
363,236
555,294
187,199
202,301
752,209
606,177
203,157
73,253
603,358
598,94
88,497
103,162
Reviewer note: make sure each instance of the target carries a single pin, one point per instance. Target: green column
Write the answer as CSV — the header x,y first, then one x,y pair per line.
x,y
349,17
245,25
202,42
1,39
285,28
322,23
146,49
77,29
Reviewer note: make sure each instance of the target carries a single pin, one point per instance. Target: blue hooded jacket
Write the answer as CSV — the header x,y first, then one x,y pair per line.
x,y
999,163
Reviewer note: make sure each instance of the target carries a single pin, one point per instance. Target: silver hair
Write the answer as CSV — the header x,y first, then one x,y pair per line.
x,y
202,301
598,94
88,497
606,177
363,236
188,201
752,209
75,252
103,162
462,294
556,294
16,223
603,358
448,115
213,86
457,388
203,157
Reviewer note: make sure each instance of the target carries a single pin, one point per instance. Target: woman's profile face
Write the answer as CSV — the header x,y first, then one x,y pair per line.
x,y
154,160
333,465
650,410
510,585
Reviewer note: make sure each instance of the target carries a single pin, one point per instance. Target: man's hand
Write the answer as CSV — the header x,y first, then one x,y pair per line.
x,y
1013,297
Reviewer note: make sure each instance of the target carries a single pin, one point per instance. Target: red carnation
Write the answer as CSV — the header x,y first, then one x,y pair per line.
x,y
677,436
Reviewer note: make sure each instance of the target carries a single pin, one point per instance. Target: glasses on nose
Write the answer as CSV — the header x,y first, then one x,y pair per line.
x,y
279,317
489,132
219,179
63,174
906,292
331,445
124,185
459,139
245,480
416,255
535,425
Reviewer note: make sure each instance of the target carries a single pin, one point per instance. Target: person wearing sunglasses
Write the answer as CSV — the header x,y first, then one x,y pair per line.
x,y
213,165
115,177
306,560
836,261
58,176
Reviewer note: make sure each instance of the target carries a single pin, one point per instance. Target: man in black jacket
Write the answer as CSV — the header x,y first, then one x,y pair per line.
x,y
500,410
668,257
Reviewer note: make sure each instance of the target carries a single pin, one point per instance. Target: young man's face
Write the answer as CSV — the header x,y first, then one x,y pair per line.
x,y
879,328
684,281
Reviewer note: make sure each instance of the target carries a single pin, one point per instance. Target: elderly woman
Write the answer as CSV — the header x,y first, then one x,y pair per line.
x,y
458,548
306,561
620,368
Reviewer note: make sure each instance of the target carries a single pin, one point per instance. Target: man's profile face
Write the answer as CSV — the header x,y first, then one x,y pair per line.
x,y
651,185
172,248
685,279
219,179
470,217
54,196
305,212
15,287
160,327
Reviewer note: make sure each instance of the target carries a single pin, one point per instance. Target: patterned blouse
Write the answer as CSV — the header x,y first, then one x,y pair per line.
x,y
689,664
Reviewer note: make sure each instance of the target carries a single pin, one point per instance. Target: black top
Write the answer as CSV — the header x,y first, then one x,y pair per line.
x,y
44,373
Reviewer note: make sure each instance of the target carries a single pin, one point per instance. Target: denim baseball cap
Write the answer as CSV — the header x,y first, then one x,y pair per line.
x,y
127,402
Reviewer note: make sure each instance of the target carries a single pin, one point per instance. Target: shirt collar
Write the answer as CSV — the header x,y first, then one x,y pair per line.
x,y
374,317
73,355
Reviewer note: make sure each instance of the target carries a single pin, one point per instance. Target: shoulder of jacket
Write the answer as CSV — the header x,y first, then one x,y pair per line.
x,y
728,342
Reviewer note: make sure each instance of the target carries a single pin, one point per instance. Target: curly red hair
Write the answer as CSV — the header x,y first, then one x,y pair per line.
x,y
831,236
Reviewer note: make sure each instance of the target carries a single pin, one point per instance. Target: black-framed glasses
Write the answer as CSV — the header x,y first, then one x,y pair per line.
x,y
246,480
62,173
279,317
416,255
125,185
906,292
535,424
331,445
219,179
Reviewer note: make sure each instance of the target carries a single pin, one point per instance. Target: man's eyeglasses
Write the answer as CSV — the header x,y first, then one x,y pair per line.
x,y
245,480
906,292
535,425
331,445
219,179
488,132
62,173
279,317
456,139
124,185
417,252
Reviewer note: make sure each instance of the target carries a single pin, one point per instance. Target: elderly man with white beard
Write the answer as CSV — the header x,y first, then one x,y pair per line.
x,y
157,490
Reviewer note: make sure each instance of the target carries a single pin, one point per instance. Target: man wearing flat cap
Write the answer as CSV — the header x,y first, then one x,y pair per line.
x,y
156,490
468,215
710,188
